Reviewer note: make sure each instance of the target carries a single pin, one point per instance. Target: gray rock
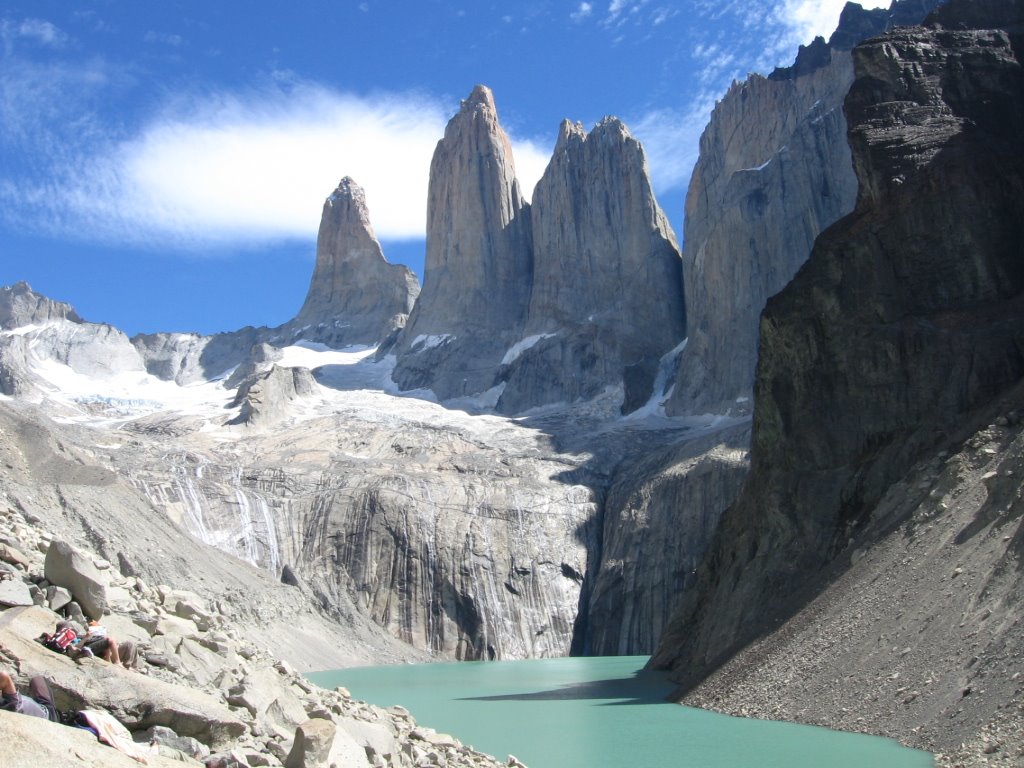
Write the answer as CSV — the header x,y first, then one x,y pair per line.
x,y
898,328
660,516
185,358
166,737
57,597
263,398
774,171
375,739
13,556
268,698
312,745
607,289
70,568
21,306
355,296
476,282
30,742
14,592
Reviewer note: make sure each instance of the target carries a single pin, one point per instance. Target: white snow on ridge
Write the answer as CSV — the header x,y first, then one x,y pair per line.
x,y
307,354
423,342
26,330
519,347
130,393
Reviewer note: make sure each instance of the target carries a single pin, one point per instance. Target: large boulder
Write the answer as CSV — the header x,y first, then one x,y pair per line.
x,y
312,745
42,744
67,567
14,592
268,697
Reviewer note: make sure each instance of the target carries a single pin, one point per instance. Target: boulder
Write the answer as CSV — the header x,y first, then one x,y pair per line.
x,y
172,626
57,597
14,592
314,740
199,663
376,739
67,567
42,744
13,555
166,737
268,697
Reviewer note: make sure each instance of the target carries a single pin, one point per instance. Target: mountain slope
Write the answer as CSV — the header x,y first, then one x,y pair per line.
x,y
905,325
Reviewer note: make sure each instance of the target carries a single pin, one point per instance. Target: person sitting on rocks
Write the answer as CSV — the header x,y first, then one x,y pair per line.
x,y
39,702
100,643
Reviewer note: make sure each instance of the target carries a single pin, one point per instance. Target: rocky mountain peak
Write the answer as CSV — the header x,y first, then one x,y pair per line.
x,y
544,303
355,296
21,306
350,194
607,298
480,97
568,132
478,266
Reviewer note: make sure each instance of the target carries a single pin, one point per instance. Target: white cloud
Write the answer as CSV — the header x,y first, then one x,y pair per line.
x,y
581,13
809,18
531,158
41,31
252,167
671,141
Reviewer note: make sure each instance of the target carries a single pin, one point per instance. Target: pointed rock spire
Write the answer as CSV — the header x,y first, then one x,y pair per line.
x,y
355,295
476,281
607,292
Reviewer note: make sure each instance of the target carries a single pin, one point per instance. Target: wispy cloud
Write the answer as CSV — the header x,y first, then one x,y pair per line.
x,y
163,37
582,12
806,19
232,167
671,140
36,30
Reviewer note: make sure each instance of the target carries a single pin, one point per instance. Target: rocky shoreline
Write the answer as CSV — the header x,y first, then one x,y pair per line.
x,y
206,690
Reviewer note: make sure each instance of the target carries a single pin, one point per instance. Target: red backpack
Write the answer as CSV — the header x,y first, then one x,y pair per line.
x,y
61,640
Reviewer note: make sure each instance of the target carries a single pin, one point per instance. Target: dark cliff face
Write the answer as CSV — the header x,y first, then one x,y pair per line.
x,y
908,315
774,171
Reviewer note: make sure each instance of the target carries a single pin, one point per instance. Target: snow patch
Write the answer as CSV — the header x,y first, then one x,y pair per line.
x,y
661,391
518,348
306,354
761,167
27,330
424,342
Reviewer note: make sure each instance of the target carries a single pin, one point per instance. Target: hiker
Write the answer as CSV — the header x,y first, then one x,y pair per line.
x,y
99,643
39,702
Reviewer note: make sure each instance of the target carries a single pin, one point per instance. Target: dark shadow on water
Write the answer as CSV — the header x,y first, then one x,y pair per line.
x,y
645,687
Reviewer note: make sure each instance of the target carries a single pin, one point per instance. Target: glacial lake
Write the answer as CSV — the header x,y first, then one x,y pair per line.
x,y
601,713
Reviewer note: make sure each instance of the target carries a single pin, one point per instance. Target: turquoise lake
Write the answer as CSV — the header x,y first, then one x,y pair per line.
x,y
601,713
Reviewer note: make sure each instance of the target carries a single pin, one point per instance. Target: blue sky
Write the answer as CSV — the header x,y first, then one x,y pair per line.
x,y
163,165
